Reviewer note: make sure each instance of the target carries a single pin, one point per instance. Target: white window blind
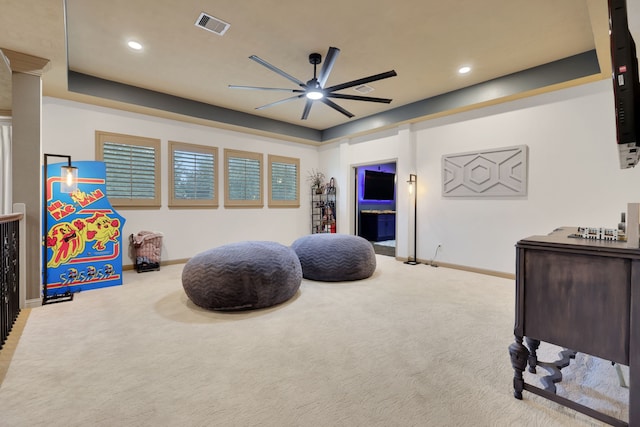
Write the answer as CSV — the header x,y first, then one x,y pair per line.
x,y
193,175
244,178
131,171
284,181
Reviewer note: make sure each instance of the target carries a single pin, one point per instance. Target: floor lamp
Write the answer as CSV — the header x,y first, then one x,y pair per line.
x,y
413,189
68,184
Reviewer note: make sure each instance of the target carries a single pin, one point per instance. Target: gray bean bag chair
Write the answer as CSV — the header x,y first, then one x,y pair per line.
x,y
243,275
329,257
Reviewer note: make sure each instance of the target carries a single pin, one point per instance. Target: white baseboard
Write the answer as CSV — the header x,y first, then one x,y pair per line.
x,y
33,303
162,263
464,268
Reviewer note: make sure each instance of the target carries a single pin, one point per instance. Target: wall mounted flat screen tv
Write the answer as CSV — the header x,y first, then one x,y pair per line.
x,y
626,85
379,185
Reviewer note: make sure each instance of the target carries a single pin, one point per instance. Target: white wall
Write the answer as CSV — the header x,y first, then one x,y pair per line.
x,y
574,175
69,128
395,145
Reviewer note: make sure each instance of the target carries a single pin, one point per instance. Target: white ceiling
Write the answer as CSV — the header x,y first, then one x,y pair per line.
x,y
424,41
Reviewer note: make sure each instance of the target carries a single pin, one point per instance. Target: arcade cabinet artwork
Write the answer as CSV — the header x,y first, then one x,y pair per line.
x,y
83,245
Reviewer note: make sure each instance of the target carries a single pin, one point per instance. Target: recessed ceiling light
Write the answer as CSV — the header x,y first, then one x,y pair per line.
x,y
464,70
134,45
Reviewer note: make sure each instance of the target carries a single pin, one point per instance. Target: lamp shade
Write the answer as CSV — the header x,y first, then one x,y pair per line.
x,y
69,182
412,182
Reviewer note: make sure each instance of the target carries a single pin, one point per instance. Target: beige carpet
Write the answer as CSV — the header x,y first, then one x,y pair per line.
x,y
411,346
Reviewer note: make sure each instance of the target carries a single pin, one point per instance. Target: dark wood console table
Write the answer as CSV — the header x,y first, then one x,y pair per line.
x,y
583,295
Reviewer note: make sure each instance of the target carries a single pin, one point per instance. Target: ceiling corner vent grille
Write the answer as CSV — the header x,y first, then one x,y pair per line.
x,y
363,89
212,24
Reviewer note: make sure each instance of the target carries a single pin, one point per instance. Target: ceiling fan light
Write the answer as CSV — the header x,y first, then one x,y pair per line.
x,y
134,45
315,94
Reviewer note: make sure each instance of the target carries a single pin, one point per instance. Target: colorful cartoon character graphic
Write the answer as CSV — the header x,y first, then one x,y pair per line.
x,y
108,270
65,241
68,240
91,272
85,199
69,276
78,196
102,229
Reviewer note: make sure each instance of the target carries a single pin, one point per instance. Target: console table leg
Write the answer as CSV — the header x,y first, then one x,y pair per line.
x,y
519,355
555,369
533,356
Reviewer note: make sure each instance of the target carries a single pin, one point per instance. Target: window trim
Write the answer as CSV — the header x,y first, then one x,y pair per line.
x,y
272,158
193,203
117,138
228,203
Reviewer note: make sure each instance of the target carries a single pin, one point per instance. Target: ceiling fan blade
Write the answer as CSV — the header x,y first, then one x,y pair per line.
x,y
336,107
307,108
276,70
329,60
282,101
265,88
362,81
359,98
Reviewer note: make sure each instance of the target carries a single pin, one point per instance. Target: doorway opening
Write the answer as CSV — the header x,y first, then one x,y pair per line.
x,y
375,206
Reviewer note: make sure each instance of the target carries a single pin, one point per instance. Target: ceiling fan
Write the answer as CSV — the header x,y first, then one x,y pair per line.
x,y
314,89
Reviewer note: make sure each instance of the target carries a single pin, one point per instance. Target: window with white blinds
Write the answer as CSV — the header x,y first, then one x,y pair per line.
x,y
243,179
284,181
192,175
132,168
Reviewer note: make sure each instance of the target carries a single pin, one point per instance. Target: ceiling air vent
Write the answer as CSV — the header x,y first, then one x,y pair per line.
x,y
211,23
363,89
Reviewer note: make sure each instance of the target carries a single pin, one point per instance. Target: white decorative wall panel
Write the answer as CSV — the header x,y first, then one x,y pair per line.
x,y
500,172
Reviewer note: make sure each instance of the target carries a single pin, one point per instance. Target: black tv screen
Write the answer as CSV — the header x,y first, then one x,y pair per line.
x,y
379,185
626,84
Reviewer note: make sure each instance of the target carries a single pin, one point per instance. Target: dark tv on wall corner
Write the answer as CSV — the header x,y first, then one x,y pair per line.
x,y
379,185
626,84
